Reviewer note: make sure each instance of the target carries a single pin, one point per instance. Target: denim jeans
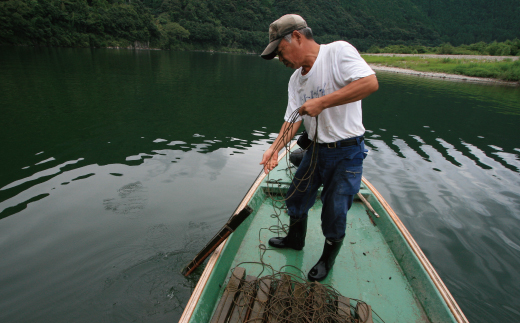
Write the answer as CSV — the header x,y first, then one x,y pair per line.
x,y
340,171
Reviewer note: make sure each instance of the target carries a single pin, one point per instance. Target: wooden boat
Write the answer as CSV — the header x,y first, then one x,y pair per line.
x,y
379,263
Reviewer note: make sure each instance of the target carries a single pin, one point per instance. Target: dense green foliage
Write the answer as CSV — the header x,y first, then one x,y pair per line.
x,y
507,69
507,48
75,23
243,25
471,21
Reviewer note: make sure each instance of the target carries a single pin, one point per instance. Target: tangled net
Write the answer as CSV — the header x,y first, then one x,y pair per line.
x,y
283,297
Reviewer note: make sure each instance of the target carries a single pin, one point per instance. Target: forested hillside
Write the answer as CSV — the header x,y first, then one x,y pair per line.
x,y
243,25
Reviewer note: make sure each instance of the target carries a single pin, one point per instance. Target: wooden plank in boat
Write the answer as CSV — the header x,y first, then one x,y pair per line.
x,y
344,308
228,298
364,312
316,297
244,300
279,300
298,313
264,288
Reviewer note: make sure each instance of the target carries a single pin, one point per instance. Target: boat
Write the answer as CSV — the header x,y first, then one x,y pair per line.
x,y
379,263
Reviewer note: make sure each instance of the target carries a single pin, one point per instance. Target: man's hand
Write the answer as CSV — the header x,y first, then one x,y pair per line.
x,y
270,157
311,107
269,160
352,92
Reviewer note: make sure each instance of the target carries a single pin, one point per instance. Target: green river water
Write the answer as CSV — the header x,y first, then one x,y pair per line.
x,y
118,166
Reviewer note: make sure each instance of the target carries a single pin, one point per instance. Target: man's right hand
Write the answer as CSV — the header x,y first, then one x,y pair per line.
x,y
269,160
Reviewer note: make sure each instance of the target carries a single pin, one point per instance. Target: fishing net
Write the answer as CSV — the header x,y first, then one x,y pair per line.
x,y
283,297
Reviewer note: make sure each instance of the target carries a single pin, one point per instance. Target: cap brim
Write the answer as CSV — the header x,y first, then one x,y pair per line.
x,y
270,51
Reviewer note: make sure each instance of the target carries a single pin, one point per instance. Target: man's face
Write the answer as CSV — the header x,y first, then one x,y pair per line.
x,y
287,53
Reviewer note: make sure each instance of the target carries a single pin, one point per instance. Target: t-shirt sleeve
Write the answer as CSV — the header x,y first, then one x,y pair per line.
x,y
350,66
290,113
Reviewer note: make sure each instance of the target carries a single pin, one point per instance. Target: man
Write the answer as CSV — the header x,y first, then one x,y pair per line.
x,y
326,89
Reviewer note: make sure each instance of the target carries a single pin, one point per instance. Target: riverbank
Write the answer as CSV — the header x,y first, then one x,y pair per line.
x,y
452,77
481,69
477,57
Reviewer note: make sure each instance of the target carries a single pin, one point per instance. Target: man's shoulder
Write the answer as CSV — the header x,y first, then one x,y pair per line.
x,y
338,46
295,75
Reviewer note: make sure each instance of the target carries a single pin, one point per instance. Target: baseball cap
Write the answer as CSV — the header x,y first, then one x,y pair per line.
x,y
279,29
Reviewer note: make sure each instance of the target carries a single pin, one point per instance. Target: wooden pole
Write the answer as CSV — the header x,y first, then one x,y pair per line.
x,y
367,204
242,212
226,230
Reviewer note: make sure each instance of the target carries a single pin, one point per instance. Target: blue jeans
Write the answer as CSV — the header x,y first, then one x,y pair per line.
x,y
340,171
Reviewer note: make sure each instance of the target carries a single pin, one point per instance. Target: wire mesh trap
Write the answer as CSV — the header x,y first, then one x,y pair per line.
x,y
283,297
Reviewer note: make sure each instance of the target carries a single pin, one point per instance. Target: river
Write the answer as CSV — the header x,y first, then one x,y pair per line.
x,y
119,165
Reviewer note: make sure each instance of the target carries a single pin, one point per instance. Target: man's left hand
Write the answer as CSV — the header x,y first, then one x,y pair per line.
x,y
311,107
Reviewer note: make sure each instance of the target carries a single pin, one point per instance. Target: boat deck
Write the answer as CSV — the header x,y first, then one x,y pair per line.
x,y
365,268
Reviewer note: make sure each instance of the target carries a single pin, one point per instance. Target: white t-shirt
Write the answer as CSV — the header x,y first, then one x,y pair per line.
x,y
337,64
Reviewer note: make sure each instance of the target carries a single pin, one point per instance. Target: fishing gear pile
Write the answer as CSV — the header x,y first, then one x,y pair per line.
x,y
283,297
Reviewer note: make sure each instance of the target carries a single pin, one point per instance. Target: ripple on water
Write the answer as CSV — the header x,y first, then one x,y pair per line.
x,y
132,198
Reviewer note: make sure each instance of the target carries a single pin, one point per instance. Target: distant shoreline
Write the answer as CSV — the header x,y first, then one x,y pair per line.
x,y
479,57
450,77
406,63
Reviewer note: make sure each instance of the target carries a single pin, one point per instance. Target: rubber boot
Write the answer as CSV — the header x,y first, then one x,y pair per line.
x,y
296,157
330,250
295,238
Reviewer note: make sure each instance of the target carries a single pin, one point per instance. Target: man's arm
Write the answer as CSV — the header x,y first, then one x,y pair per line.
x,y
355,91
270,157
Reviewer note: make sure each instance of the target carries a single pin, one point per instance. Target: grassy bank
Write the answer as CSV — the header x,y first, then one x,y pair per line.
x,y
506,70
506,48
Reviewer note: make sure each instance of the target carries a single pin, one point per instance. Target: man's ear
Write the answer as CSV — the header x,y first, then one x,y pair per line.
x,y
297,36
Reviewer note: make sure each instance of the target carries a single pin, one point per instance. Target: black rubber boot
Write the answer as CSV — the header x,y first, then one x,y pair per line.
x,y
330,250
296,156
295,238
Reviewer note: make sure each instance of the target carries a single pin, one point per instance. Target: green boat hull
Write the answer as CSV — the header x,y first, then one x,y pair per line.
x,y
379,262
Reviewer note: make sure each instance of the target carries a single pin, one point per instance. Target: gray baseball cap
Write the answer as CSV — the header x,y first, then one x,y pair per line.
x,y
279,29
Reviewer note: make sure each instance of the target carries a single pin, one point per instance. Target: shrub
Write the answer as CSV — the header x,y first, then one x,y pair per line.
x,y
492,48
479,47
420,49
446,49
503,50
374,49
